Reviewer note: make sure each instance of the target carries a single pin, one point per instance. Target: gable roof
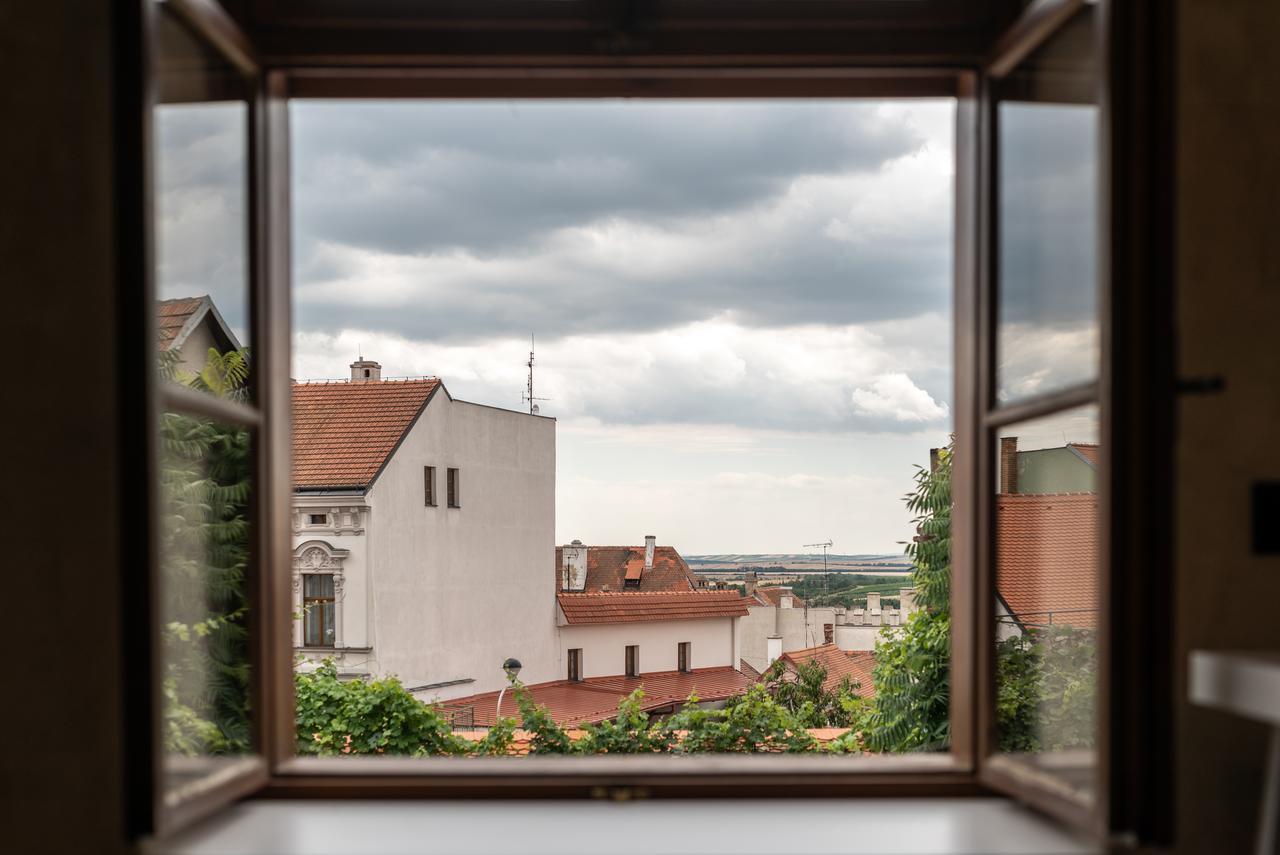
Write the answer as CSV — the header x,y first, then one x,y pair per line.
x,y
638,606
596,698
176,319
1047,557
608,568
771,595
1087,450
857,665
344,432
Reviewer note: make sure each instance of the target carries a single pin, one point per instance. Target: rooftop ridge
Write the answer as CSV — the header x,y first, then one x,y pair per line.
x,y
344,381
696,592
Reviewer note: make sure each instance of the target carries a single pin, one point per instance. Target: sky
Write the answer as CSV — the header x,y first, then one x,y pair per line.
x,y
742,309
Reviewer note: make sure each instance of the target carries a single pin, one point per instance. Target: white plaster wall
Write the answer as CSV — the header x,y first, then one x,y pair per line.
x,y
455,591
356,607
714,644
799,628
194,351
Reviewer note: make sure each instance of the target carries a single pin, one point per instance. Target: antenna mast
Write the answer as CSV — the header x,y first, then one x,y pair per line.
x,y
527,397
826,578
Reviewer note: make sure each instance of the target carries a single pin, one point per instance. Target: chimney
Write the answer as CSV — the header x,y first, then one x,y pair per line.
x,y
749,582
907,602
774,643
785,599
650,543
1008,464
365,369
573,567
933,459
874,613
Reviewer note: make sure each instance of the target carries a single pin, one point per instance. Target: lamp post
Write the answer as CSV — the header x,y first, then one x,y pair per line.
x,y
512,667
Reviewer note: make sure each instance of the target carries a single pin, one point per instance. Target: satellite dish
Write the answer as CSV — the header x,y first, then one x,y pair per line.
x,y
535,409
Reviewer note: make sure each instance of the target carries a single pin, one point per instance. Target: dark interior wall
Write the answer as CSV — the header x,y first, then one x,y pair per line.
x,y
60,769
1228,264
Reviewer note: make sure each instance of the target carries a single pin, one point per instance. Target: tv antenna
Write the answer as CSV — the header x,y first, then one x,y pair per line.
x,y
527,397
826,579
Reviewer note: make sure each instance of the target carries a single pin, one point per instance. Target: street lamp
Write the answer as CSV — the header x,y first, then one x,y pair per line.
x,y
512,668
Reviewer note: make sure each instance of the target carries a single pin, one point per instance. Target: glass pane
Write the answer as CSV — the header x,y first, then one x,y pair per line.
x,y
205,488
201,132
1047,119
318,585
1047,579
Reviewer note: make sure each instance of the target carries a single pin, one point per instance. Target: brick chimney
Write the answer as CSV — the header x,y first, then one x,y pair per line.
x,y
749,582
650,543
1008,464
365,369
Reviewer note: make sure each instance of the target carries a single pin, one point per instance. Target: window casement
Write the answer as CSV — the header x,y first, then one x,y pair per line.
x,y
683,656
429,485
454,487
999,65
318,610
575,664
317,519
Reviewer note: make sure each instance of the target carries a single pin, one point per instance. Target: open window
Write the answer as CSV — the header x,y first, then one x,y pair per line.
x,y
1038,366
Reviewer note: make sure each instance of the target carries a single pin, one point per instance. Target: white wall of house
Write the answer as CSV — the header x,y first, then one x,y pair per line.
x,y
798,627
714,643
441,593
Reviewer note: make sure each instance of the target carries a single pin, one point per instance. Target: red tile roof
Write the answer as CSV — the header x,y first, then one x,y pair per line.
x,y
745,667
857,665
1087,450
633,606
1047,557
608,568
172,316
596,698
343,433
772,596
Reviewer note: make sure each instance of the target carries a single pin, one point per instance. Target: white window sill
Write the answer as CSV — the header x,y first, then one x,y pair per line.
x,y
690,827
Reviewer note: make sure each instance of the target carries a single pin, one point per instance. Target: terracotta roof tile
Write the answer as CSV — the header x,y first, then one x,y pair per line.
x,y
172,316
857,665
634,606
1047,557
1087,450
771,595
596,698
608,568
343,433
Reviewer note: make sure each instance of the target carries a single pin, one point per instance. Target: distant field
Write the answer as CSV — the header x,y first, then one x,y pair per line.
x,y
798,563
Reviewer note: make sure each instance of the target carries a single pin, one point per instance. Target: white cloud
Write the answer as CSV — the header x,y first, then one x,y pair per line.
x,y
895,397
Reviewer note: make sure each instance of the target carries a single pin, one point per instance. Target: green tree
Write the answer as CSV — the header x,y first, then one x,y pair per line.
x,y
800,691
630,732
912,676
205,490
755,722
371,717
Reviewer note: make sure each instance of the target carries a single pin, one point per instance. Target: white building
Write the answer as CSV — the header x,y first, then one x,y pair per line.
x,y
781,622
627,610
422,529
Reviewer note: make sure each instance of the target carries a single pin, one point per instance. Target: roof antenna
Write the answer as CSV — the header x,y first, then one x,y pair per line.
x,y
527,397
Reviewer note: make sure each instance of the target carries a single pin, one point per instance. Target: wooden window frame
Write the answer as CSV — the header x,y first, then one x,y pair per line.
x,y
811,50
310,601
574,658
631,657
684,656
453,487
429,485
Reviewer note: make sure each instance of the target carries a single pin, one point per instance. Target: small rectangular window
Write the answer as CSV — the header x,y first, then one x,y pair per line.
x,y
319,519
575,664
318,610
455,496
633,660
429,485
683,657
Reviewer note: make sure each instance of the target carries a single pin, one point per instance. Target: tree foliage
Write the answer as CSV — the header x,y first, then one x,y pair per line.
x,y
911,711
205,490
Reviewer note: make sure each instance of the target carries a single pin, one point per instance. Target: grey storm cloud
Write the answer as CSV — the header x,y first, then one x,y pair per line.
x,y
506,182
